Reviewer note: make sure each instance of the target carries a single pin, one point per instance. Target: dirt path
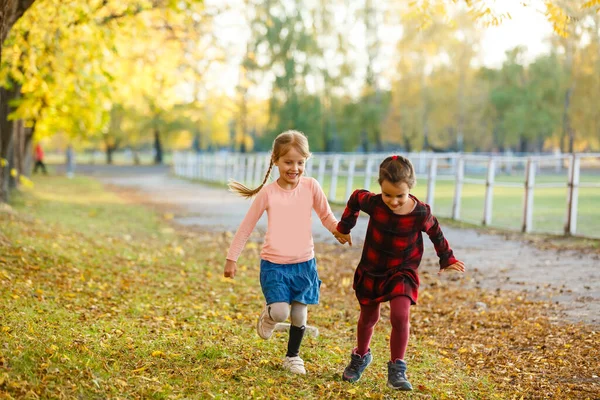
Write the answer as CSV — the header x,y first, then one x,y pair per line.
x,y
569,278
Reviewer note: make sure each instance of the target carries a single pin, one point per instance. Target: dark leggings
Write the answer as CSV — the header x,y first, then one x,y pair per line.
x,y
38,164
400,319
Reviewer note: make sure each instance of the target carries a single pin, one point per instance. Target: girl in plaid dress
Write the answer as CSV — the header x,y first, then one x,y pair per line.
x,y
288,270
391,255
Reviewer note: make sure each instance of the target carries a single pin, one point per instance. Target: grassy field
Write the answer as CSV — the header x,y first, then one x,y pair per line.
x,y
550,204
104,298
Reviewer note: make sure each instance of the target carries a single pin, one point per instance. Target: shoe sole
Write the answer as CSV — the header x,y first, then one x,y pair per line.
x,y
399,388
258,328
295,372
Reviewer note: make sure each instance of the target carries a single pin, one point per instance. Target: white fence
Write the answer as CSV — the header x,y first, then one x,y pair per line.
x,y
341,173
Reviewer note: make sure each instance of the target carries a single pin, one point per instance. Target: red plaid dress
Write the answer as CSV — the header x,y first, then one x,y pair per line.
x,y
393,247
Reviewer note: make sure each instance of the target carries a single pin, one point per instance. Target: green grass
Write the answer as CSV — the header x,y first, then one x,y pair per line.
x,y
101,298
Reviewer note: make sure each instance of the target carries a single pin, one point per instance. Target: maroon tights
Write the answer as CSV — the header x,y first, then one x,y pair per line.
x,y
399,317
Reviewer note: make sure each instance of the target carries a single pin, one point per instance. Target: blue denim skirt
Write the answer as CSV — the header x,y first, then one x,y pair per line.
x,y
290,282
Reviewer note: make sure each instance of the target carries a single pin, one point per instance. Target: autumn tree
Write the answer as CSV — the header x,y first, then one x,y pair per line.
x,y
57,67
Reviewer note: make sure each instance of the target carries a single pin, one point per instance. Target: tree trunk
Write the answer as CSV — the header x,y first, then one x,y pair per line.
x,y
523,144
378,140
158,151
365,141
196,144
10,12
567,129
6,140
28,151
16,157
109,154
425,115
460,120
326,125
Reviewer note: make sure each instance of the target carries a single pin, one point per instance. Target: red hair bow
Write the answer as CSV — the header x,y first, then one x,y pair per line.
x,y
394,157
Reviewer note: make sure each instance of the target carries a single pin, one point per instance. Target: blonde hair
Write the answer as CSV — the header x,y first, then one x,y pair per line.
x,y
397,169
281,145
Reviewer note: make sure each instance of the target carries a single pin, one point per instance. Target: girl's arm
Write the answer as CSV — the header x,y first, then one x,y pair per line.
x,y
431,226
360,200
257,208
322,208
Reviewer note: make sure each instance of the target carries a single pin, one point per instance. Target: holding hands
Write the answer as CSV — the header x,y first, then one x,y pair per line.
x,y
343,238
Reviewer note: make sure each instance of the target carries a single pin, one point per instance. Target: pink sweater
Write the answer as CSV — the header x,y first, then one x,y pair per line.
x,y
289,213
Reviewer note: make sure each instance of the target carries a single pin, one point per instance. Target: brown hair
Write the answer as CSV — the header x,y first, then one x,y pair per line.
x,y
397,169
281,145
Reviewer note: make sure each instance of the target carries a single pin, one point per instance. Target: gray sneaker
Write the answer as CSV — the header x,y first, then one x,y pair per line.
x,y
357,366
397,376
265,325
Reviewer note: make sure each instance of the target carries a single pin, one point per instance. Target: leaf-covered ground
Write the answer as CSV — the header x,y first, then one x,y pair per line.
x,y
103,298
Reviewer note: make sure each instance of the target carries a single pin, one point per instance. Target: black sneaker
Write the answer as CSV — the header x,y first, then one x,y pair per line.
x,y
357,366
397,376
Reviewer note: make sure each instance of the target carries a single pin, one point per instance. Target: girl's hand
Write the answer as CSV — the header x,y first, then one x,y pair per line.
x,y
343,237
230,269
457,266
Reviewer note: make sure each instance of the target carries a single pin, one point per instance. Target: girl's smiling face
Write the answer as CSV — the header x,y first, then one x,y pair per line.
x,y
291,166
395,196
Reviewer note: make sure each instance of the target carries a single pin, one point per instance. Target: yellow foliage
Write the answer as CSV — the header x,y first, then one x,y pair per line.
x,y
26,182
590,4
558,18
183,140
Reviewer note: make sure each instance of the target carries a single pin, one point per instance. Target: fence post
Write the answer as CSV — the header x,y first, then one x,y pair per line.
x,y
249,170
573,193
206,167
258,165
350,177
235,166
199,162
528,201
223,168
176,163
334,175
368,173
431,181
460,176
422,162
309,167
321,172
189,164
489,192
203,165
230,166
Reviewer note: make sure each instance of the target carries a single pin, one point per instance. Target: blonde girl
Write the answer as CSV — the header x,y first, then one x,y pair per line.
x,y
288,270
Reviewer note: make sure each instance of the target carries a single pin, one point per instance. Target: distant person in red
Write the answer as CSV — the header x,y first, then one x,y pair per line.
x,y
39,159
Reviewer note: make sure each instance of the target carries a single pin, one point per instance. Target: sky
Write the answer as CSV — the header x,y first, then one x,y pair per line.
x,y
527,27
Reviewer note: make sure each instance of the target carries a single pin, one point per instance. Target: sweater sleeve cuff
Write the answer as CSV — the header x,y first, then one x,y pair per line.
x,y
445,263
343,228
